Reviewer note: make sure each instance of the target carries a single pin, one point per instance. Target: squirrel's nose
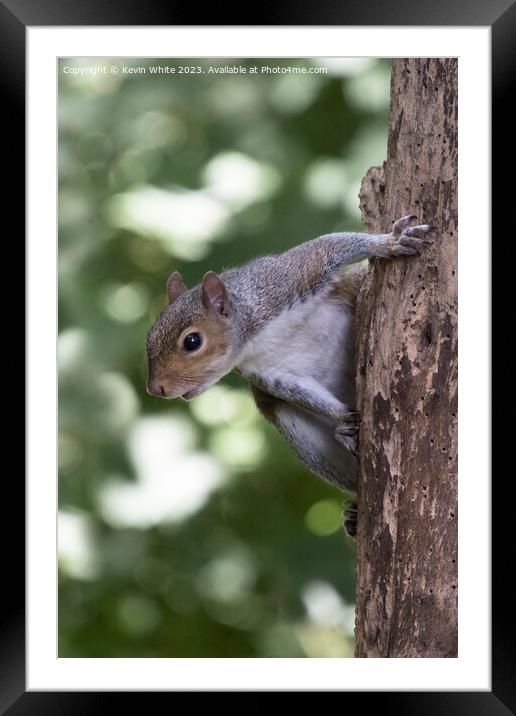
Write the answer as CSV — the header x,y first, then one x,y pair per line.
x,y
156,387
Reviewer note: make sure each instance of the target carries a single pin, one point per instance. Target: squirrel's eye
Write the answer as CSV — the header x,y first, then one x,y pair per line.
x,y
192,341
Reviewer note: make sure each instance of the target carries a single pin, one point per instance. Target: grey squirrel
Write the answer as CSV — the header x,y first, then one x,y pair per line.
x,y
285,322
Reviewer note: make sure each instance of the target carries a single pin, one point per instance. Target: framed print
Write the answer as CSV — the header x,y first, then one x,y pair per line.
x,y
164,161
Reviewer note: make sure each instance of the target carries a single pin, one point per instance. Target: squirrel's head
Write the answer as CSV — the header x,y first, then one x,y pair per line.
x,y
192,344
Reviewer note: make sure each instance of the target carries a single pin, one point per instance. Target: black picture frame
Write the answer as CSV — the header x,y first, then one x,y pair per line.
x,y
15,17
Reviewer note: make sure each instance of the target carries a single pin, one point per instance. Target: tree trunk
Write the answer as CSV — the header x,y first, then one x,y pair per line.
x,y
406,560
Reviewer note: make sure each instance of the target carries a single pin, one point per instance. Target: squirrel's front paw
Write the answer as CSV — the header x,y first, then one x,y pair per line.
x,y
407,240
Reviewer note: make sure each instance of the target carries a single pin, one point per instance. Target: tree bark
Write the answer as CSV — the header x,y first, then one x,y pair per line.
x,y
406,560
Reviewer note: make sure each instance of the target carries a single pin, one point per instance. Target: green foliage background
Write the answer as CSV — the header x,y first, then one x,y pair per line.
x,y
191,529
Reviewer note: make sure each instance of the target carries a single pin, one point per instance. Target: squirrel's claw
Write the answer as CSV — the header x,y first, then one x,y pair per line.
x,y
349,518
346,432
409,240
420,230
402,223
351,416
345,429
347,436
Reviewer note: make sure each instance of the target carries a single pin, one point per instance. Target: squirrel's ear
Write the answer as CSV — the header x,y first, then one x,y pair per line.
x,y
214,294
175,286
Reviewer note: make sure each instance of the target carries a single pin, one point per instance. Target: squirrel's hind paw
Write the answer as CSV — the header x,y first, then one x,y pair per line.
x,y
346,434
349,518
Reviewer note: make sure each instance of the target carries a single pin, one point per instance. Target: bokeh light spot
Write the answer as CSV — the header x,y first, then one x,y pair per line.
x,y
222,405
326,607
239,180
325,182
72,350
324,517
242,448
120,403
75,545
368,92
173,480
126,303
229,577
184,221
139,615
294,93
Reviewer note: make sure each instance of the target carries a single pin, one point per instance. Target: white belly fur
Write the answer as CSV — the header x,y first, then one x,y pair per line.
x,y
311,340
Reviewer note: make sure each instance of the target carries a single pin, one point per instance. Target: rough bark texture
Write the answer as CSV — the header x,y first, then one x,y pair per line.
x,y
407,381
